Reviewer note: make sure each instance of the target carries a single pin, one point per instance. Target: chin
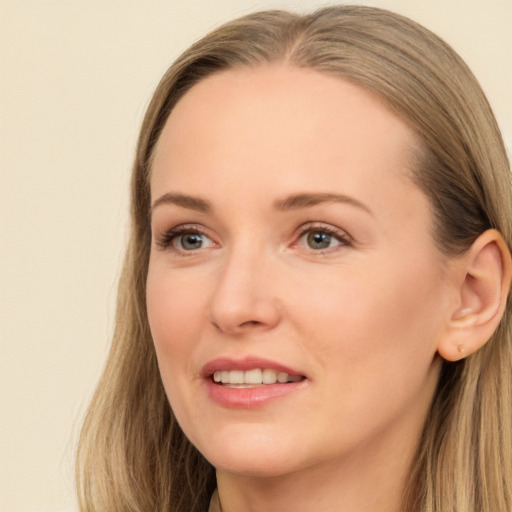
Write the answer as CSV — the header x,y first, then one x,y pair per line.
x,y
252,456
248,467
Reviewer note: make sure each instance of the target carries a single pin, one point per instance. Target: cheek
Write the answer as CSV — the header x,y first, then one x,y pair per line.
x,y
377,321
175,315
174,320
378,346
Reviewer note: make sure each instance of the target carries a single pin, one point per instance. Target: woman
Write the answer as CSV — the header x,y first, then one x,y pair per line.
x,y
312,313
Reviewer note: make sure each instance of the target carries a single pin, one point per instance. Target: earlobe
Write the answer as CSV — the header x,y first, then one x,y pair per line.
x,y
483,284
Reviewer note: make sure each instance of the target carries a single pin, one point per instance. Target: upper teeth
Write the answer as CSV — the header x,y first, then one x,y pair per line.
x,y
256,376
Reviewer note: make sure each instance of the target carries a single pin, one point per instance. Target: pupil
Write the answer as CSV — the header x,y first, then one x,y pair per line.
x,y
319,240
191,241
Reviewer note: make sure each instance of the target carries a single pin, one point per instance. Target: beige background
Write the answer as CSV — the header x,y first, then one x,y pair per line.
x,y
75,77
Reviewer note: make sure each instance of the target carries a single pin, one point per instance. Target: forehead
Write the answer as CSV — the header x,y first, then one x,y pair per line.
x,y
283,120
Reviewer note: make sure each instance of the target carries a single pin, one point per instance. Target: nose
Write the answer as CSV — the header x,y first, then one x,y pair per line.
x,y
243,300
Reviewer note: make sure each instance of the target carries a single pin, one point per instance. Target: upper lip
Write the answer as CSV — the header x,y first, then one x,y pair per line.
x,y
246,363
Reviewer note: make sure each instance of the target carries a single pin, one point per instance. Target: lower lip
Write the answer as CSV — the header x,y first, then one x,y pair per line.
x,y
250,398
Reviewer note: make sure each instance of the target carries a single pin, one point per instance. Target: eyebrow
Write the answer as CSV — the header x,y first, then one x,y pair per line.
x,y
189,202
292,202
298,201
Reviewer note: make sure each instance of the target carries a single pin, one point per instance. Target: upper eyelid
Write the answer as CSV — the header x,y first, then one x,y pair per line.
x,y
319,226
184,228
306,226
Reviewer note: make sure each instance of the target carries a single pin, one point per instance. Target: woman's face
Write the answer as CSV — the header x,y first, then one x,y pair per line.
x,y
295,294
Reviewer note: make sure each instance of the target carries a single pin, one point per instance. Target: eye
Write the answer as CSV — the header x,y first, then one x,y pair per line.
x,y
185,239
322,238
191,241
319,240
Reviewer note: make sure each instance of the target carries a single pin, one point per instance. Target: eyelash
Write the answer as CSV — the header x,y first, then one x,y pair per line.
x,y
166,240
341,236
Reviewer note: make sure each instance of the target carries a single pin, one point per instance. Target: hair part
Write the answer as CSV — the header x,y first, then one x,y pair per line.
x,y
132,454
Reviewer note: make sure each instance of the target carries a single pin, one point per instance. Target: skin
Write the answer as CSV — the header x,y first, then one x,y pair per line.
x,y
361,319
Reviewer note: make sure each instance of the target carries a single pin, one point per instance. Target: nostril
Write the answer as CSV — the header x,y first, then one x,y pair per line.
x,y
251,323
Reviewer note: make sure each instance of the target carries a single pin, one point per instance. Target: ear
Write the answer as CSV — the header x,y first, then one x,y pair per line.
x,y
483,277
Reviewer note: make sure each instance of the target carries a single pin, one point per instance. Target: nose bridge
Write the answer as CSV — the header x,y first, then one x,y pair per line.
x,y
243,298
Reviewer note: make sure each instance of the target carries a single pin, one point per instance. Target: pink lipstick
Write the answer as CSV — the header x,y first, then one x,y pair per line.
x,y
250,382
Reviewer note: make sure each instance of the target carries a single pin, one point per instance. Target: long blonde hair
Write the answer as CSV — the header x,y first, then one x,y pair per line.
x,y
132,455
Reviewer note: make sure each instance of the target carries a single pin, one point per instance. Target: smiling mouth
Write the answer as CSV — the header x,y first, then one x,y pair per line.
x,y
253,378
